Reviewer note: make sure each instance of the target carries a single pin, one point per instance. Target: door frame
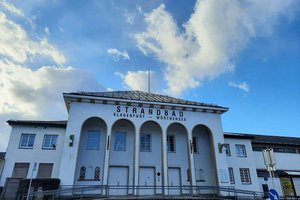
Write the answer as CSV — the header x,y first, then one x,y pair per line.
x,y
180,181
154,176
120,166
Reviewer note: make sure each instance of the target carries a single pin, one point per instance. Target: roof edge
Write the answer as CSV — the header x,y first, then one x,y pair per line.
x,y
57,124
211,107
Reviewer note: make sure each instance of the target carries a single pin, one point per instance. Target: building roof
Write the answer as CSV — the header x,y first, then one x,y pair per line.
x,y
144,96
265,139
58,124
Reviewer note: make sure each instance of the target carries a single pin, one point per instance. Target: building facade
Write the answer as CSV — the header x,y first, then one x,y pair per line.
x,y
143,144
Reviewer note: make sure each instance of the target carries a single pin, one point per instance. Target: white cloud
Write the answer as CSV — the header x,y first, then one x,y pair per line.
x,y
11,8
130,17
137,80
37,94
33,94
210,40
47,31
18,47
242,86
118,54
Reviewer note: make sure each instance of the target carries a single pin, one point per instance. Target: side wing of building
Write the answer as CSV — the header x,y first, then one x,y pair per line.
x,y
34,143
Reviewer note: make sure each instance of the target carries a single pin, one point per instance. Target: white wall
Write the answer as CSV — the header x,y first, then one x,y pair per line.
x,y
284,161
242,162
91,158
203,159
153,158
80,111
179,158
37,154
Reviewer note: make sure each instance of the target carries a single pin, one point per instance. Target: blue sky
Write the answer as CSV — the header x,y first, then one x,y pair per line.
x,y
241,54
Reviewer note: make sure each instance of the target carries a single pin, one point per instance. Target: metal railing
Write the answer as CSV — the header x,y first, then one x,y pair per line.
x,y
98,191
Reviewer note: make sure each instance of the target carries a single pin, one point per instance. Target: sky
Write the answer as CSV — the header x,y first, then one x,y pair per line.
x,y
244,55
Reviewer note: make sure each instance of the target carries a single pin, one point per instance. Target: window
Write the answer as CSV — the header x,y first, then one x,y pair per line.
x,y
240,150
195,144
20,170
45,170
227,149
120,141
93,140
27,141
50,142
255,148
171,143
231,175
145,144
82,173
245,176
97,174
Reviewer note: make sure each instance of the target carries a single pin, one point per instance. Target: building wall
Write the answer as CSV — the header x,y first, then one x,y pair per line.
x,y
284,161
36,154
90,159
242,162
80,111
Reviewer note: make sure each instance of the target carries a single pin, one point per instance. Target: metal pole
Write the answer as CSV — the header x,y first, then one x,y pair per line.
x,y
29,187
149,80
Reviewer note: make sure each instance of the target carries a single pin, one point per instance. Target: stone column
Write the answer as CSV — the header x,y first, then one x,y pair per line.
x,y
136,159
164,162
106,158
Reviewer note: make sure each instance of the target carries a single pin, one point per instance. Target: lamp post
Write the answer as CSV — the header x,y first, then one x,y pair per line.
x,y
29,187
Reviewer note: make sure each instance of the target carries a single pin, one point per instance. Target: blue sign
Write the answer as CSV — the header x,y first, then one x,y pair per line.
x,y
273,194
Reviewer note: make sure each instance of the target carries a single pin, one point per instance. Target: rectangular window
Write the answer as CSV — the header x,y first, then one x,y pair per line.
x,y
245,176
27,141
20,170
145,143
93,140
120,141
227,149
171,143
240,150
231,175
195,144
50,141
45,170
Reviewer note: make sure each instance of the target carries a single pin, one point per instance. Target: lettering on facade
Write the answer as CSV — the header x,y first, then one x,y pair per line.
x,y
151,113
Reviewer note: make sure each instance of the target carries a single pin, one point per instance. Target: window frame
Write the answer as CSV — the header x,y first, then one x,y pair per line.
x,y
195,144
231,175
51,147
244,175
174,144
82,173
243,148
150,143
116,148
26,147
227,150
38,174
87,147
97,173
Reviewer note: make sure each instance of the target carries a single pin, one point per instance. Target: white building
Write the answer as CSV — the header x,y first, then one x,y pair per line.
x,y
135,143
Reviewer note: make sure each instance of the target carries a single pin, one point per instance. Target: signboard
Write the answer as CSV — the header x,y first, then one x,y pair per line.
x,y
150,113
273,194
287,186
